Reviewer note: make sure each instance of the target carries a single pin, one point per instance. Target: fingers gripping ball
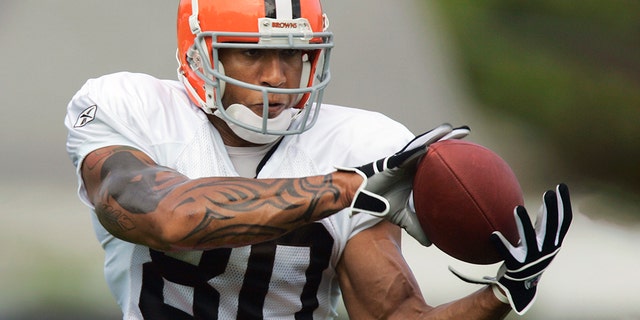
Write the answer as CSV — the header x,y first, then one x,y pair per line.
x,y
463,192
524,264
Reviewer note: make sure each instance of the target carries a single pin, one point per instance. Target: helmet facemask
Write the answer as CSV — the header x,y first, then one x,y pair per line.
x,y
273,33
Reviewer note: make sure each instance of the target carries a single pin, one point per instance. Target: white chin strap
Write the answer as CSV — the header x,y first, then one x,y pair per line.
x,y
243,114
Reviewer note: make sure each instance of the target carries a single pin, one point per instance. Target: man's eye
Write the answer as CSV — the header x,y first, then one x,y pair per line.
x,y
252,52
290,52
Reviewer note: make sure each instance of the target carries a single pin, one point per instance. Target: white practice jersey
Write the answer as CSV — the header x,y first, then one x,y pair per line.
x,y
289,278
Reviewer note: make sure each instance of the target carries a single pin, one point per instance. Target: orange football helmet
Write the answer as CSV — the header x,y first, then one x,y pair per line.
x,y
204,26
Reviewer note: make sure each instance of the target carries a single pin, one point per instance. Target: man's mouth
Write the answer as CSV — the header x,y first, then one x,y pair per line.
x,y
274,109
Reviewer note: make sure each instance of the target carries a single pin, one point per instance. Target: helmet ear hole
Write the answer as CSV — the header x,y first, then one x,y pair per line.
x,y
194,59
196,63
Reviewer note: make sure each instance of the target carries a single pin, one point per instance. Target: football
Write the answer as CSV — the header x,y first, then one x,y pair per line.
x,y
463,192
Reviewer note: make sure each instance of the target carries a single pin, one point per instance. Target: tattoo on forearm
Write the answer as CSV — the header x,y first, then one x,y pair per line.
x,y
290,202
139,194
244,196
115,219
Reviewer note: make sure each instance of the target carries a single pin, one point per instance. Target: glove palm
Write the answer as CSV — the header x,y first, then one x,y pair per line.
x,y
524,264
387,183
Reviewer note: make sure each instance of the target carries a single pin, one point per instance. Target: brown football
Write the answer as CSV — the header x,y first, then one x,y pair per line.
x,y
463,192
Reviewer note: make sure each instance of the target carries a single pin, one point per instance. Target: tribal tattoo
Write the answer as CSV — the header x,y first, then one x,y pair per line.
x,y
231,198
221,211
116,219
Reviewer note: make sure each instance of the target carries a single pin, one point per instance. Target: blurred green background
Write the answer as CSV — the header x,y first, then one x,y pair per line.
x,y
569,71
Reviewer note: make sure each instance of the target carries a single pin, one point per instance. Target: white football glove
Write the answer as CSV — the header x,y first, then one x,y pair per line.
x,y
524,264
386,190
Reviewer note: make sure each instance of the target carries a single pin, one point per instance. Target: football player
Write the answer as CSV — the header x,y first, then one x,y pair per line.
x,y
234,193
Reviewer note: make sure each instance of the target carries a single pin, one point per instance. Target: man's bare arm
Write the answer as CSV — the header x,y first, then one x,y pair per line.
x,y
377,283
139,201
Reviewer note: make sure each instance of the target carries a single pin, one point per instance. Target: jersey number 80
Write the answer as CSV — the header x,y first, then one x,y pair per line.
x,y
254,281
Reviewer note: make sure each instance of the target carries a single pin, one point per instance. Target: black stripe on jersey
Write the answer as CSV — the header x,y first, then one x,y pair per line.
x,y
321,248
267,156
261,264
270,10
256,281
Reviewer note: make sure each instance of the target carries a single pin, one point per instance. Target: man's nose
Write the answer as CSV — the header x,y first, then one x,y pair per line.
x,y
273,73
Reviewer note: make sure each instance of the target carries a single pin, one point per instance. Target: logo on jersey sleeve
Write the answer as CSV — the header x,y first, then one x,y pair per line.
x,y
86,116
